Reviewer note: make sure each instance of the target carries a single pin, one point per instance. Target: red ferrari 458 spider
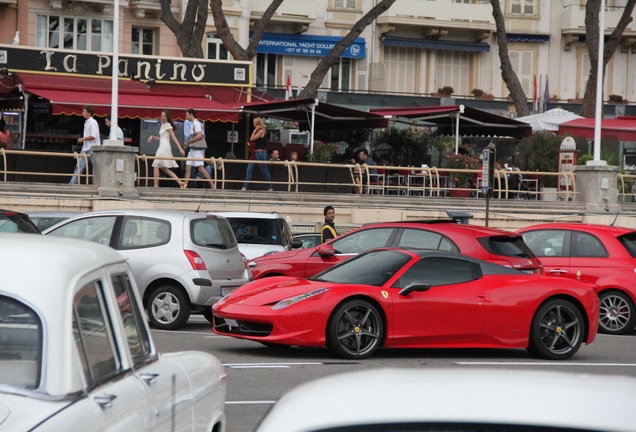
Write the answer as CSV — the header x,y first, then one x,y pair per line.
x,y
413,299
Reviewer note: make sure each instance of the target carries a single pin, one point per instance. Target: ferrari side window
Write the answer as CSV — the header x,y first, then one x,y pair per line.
x,y
438,271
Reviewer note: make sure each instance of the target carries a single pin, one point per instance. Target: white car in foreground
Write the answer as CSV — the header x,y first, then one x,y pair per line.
x,y
76,352
457,400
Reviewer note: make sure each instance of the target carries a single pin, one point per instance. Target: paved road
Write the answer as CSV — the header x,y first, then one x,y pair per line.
x,y
258,376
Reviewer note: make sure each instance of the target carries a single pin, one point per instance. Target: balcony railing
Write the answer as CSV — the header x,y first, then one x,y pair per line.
x,y
440,13
573,18
55,167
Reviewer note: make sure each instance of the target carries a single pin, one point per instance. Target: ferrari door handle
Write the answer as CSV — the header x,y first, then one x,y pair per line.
x,y
105,401
560,271
149,378
483,296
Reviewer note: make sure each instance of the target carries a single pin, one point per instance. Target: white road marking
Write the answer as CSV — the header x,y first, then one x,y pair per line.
x,y
206,334
265,402
267,365
545,364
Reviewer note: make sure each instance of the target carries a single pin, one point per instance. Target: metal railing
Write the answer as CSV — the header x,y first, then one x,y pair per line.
x,y
301,176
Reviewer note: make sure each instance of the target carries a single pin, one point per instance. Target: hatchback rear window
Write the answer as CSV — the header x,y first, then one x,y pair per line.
x,y
212,232
16,222
510,246
629,242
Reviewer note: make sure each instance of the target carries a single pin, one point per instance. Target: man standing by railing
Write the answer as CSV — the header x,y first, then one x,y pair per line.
x,y
89,139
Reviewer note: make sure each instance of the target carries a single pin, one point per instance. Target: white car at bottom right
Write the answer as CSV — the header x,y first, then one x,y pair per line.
x,y
457,400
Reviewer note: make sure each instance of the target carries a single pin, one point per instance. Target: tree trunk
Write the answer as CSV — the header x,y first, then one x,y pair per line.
x,y
507,72
592,11
224,33
190,32
330,59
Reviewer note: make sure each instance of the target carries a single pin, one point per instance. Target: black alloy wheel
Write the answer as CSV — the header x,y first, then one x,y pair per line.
x,y
557,330
355,330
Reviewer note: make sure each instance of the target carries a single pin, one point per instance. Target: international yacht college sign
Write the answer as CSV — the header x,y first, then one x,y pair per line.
x,y
144,68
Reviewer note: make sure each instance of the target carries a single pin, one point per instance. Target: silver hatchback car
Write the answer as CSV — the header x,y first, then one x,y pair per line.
x,y
183,262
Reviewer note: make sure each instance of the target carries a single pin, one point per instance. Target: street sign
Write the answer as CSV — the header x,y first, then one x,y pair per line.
x,y
485,172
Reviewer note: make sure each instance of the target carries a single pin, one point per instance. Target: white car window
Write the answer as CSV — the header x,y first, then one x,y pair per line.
x,y
93,334
137,337
20,344
97,229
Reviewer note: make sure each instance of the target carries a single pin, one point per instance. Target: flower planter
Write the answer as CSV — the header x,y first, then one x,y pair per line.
x,y
459,193
548,194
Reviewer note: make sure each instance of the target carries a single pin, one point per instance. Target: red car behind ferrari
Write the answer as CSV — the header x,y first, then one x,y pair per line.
x,y
490,244
413,299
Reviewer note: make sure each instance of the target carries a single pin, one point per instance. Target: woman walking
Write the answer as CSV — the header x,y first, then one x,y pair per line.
x,y
260,153
165,133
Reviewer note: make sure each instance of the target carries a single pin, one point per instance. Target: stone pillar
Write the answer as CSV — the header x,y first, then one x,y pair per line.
x,y
114,170
597,186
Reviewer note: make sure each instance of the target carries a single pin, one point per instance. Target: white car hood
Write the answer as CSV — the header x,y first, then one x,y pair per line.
x,y
21,413
252,251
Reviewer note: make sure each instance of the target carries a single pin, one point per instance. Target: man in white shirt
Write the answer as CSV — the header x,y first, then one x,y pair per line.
x,y
89,139
197,146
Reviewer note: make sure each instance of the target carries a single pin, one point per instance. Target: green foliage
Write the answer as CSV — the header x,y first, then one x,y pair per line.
x,y
609,157
462,161
543,156
409,146
582,159
354,137
323,153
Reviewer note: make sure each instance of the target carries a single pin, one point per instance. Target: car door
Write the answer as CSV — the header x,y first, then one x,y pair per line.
x,y
165,383
116,397
349,245
449,311
552,247
589,259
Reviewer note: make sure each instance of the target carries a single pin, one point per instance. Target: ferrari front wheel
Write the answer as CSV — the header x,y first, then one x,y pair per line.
x,y
557,330
355,330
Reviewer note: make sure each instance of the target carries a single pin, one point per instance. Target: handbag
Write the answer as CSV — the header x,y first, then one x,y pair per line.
x,y
199,144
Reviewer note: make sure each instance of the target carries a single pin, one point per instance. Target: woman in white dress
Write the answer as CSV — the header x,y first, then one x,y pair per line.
x,y
165,133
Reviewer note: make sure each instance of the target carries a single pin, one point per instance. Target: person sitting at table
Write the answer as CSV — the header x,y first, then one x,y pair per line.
x,y
360,176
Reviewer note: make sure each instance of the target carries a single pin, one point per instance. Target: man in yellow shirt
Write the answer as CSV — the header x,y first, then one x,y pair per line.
x,y
328,229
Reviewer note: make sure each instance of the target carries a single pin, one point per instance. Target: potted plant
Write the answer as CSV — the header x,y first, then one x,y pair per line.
x,y
463,180
446,91
476,92
617,99
543,157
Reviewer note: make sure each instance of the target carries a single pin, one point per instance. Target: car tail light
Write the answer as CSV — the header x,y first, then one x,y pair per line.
x,y
195,259
245,262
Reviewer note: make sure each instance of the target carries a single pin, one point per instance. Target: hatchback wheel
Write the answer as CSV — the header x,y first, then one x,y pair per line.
x,y
557,330
168,308
617,314
355,330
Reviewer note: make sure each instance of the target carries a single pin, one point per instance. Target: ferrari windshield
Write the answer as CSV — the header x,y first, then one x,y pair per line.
x,y
371,268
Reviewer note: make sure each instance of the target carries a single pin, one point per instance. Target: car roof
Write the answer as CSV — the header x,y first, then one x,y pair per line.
x,y
249,215
615,231
478,230
392,395
51,262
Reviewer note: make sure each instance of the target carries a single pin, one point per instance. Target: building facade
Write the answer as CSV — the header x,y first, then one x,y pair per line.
x,y
415,48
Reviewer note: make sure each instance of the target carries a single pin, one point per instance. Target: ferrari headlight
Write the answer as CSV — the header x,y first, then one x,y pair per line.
x,y
292,300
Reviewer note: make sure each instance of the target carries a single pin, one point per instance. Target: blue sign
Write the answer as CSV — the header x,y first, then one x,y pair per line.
x,y
307,45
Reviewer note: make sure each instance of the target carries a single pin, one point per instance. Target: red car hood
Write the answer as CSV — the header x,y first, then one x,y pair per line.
x,y
271,290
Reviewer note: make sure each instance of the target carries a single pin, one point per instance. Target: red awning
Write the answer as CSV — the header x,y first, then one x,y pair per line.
x,y
326,116
623,128
471,122
136,100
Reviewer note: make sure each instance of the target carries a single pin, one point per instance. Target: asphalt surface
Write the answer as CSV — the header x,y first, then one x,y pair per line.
x,y
257,376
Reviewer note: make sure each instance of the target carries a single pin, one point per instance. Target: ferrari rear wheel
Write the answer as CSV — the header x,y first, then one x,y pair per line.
x,y
355,330
557,330
617,315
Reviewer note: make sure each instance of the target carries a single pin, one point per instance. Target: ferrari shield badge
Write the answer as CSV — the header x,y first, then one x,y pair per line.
x,y
385,294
